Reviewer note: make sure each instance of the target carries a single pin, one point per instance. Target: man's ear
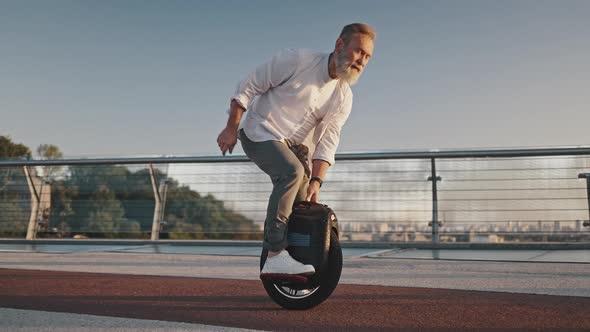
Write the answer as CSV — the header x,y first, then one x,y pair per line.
x,y
339,43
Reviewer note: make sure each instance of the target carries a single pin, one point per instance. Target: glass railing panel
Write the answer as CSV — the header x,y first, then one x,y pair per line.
x,y
101,201
492,199
513,199
15,202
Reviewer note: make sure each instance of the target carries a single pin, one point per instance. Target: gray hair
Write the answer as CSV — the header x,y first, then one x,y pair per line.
x,y
353,28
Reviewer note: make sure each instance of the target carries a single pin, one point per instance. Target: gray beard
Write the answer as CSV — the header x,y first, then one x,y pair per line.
x,y
343,69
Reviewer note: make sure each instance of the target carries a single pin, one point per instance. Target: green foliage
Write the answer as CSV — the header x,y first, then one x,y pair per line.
x,y
14,218
100,201
50,152
11,150
14,198
111,201
191,216
105,213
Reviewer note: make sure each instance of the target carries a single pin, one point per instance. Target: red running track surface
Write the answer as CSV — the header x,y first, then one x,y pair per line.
x,y
244,303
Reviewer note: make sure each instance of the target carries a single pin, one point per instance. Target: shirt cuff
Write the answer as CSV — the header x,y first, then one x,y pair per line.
x,y
329,158
242,100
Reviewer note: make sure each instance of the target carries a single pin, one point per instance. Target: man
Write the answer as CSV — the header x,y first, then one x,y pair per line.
x,y
297,91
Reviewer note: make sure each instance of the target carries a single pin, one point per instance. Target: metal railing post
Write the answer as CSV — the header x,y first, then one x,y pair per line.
x,y
587,177
155,235
35,202
434,223
163,190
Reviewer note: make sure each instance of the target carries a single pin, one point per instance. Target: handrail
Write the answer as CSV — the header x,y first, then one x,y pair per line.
x,y
537,152
434,156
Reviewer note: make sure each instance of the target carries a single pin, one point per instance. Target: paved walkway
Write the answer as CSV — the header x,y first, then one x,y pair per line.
x,y
244,304
395,289
19,320
361,266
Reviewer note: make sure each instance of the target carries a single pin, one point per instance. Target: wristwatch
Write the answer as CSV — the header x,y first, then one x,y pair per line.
x,y
315,178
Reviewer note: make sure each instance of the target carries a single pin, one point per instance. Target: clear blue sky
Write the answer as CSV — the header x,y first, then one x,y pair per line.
x,y
131,78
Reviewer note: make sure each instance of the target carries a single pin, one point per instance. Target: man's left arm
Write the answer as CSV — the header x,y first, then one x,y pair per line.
x,y
325,152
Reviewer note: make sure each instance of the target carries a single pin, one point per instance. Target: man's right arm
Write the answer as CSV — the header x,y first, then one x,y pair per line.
x,y
228,137
266,76
274,72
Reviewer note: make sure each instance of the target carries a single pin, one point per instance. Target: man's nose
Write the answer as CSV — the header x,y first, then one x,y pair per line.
x,y
363,60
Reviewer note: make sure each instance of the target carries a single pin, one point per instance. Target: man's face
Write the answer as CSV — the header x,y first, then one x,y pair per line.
x,y
352,58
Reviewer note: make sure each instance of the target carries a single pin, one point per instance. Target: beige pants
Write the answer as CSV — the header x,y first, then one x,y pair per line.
x,y
289,185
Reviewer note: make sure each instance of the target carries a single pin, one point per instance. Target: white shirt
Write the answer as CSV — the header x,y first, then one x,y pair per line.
x,y
295,96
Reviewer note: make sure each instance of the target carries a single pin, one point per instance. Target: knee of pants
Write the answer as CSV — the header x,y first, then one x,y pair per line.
x,y
292,172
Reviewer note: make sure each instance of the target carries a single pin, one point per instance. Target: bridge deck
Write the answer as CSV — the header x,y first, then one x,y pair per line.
x,y
220,288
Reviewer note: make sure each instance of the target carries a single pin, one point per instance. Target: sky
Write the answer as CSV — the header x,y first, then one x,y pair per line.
x,y
132,78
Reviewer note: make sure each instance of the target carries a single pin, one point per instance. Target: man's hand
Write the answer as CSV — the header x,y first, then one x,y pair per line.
x,y
313,192
227,139
319,168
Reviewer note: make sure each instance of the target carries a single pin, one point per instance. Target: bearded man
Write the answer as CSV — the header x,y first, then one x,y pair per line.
x,y
297,91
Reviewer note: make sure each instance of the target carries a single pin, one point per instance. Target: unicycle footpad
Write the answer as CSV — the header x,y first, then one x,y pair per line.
x,y
284,278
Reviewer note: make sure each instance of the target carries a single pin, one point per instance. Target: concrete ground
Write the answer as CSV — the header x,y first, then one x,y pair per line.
x,y
557,273
564,272
18,320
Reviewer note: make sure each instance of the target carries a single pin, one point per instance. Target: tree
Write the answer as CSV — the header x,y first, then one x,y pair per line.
x,y
11,150
106,215
205,217
61,206
112,201
50,152
13,216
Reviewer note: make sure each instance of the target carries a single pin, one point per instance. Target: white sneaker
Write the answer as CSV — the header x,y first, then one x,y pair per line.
x,y
283,263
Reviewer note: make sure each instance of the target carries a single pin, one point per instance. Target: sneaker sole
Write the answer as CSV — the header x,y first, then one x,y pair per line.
x,y
290,274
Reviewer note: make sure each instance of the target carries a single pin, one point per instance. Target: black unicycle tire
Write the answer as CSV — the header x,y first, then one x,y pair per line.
x,y
328,281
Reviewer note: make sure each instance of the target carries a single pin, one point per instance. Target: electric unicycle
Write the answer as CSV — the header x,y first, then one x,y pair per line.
x,y
313,239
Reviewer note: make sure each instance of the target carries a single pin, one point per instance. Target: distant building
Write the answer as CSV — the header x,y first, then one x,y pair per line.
x,y
485,238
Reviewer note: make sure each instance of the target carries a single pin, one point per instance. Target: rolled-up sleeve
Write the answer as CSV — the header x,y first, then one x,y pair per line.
x,y
328,143
270,74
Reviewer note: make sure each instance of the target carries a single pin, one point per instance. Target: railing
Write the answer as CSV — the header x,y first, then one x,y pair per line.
x,y
447,196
